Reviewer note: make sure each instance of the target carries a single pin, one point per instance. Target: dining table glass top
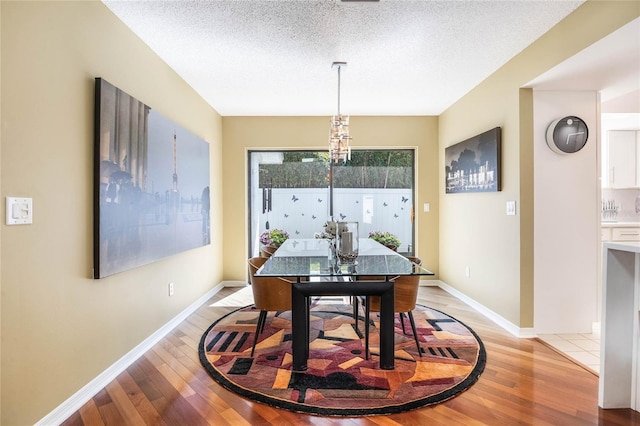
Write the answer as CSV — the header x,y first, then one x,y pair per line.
x,y
316,258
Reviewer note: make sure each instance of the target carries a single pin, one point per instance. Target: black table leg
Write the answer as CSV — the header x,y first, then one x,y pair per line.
x,y
387,343
301,294
307,317
299,328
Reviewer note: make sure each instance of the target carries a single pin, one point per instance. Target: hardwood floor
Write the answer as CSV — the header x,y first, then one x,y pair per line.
x,y
524,383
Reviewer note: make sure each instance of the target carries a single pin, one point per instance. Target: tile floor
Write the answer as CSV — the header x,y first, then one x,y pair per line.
x,y
583,348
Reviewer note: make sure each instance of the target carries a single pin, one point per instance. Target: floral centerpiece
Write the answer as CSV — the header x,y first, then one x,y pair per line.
x,y
273,237
328,232
386,239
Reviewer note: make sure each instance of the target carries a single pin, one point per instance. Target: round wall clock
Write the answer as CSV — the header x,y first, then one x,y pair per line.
x,y
567,135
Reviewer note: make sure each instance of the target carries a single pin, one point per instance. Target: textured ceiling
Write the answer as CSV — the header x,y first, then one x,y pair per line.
x,y
274,57
611,66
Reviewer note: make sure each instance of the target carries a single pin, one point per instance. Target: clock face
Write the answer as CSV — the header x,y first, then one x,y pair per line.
x,y
567,135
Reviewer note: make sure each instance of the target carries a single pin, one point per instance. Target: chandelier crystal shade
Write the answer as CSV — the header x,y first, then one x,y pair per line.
x,y
339,138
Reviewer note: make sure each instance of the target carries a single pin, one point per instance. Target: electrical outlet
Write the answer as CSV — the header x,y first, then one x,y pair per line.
x,y
467,271
170,289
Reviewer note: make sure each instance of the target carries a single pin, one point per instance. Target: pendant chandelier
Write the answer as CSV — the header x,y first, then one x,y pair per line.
x,y
339,137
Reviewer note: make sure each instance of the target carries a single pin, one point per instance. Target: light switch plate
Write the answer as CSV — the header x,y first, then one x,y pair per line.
x,y
426,207
511,208
19,211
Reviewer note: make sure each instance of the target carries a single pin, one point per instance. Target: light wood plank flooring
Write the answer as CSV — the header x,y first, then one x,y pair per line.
x,y
524,383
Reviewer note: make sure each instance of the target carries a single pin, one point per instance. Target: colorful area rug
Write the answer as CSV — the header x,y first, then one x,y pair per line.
x,y
339,381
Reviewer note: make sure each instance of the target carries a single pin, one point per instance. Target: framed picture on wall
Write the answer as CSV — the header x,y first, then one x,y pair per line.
x,y
473,165
151,184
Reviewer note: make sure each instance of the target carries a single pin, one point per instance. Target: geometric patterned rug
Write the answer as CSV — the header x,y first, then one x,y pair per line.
x,y
339,381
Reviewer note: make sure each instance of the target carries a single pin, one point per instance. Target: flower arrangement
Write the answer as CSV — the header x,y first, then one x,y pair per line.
x,y
329,231
273,237
323,235
385,238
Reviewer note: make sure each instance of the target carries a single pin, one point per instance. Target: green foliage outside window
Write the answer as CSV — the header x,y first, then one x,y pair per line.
x,y
366,169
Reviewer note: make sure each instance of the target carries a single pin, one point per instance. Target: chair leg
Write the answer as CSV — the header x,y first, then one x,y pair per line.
x,y
366,328
415,334
354,301
261,320
402,322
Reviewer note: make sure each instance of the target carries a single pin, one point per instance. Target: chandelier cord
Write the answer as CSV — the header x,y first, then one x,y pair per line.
x,y
339,90
339,135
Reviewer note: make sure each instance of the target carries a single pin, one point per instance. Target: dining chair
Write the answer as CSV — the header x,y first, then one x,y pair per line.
x,y
269,294
357,299
405,290
267,251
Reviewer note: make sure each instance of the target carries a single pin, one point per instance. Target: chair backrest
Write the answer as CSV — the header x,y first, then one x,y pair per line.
x,y
415,260
267,251
405,290
254,264
269,293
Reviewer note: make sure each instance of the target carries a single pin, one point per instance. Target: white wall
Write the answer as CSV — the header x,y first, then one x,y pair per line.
x,y
375,209
566,219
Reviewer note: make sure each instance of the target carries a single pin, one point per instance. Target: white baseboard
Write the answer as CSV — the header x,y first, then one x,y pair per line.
x,y
78,399
523,333
234,283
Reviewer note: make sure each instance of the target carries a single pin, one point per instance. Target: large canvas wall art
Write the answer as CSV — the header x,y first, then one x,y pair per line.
x,y
151,184
473,165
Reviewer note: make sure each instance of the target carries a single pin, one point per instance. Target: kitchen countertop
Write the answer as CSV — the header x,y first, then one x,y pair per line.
x,y
618,224
633,247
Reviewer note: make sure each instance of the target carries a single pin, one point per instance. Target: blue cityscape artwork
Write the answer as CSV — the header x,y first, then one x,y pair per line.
x,y
151,184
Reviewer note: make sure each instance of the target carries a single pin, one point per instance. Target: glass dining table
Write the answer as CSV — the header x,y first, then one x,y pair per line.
x,y
313,267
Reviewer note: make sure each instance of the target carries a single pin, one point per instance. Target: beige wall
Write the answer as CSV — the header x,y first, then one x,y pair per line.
x,y
60,328
244,133
474,230
0,232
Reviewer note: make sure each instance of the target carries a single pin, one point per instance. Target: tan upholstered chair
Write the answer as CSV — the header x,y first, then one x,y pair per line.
x,y
269,294
267,251
406,295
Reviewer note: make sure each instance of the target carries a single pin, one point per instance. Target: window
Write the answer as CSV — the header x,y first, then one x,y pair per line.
x,y
298,191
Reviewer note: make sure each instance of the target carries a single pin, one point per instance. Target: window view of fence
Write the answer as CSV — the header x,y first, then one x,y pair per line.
x,y
299,191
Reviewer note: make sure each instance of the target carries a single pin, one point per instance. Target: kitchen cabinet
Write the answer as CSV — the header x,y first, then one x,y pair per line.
x,y
619,382
623,168
622,231
625,234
